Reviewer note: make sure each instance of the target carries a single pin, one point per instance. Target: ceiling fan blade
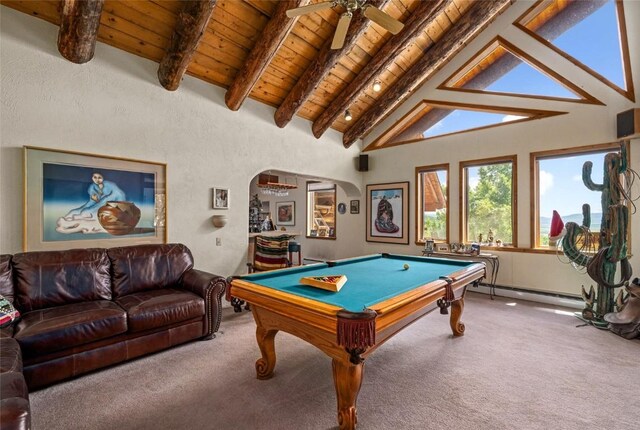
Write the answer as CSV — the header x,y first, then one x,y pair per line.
x,y
341,31
382,19
309,8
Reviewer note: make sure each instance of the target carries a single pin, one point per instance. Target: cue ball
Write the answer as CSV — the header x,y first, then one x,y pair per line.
x,y
405,267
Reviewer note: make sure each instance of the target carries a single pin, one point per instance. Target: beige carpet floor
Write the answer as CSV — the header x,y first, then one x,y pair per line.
x,y
520,365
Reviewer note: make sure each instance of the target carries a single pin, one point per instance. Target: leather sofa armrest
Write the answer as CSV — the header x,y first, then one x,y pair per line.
x,y
211,288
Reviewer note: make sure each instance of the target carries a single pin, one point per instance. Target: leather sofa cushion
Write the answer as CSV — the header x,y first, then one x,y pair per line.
x,y
54,329
148,267
159,308
10,355
55,278
6,277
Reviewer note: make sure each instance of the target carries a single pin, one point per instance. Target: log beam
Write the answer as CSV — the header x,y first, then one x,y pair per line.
x,y
79,22
273,35
190,27
320,67
423,16
459,35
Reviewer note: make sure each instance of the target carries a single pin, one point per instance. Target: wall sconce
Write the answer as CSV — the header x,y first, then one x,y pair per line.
x,y
219,221
377,86
347,115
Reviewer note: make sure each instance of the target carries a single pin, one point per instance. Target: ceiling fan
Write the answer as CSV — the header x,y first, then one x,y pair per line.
x,y
371,12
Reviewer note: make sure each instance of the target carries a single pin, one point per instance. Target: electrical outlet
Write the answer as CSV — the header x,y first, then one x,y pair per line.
x,y
218,241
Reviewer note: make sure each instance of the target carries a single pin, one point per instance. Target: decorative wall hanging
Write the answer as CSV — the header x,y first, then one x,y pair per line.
x,y
221,198
285,213
75,199
388,212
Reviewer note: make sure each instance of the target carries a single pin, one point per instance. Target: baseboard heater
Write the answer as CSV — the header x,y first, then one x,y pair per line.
x,y
533,295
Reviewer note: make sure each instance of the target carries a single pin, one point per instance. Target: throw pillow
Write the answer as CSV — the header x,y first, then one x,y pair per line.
x,y
8,313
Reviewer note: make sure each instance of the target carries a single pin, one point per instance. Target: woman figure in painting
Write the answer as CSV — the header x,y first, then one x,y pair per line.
x,y
384,219
100,191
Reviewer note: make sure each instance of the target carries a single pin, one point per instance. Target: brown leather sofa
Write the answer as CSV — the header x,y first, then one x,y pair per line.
x,y
85,309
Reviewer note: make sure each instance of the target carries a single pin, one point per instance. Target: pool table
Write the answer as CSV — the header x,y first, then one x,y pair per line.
x,y
380,298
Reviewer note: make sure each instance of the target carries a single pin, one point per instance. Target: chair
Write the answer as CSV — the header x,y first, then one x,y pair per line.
x,y
269,253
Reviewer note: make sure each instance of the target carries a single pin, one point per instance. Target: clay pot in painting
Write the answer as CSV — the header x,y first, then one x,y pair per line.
x,y
119,218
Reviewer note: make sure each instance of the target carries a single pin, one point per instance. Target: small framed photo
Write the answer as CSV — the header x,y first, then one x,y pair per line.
x,y
442,247
221,198
428,245
354,207
285,213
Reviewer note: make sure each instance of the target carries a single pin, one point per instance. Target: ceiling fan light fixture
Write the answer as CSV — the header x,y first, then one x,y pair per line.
x,y
377,86
347,115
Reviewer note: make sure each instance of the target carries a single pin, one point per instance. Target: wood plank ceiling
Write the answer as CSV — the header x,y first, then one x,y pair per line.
x,y
252,49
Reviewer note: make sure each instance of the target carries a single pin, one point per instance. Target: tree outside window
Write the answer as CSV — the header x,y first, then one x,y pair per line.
x,y
489,210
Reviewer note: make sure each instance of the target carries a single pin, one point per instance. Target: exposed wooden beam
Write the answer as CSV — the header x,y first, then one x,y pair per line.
x,y
79,22
262,53
424,15
190,27
479,15
320,67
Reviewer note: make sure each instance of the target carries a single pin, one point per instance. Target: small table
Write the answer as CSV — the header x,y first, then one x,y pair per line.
x,y
379,299
491,259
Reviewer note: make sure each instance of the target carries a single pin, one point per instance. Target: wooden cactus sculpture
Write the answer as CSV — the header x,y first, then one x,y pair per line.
x,y
612,249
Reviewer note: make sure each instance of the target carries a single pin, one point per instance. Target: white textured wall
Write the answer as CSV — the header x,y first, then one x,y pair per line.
x,y
585,125
114,106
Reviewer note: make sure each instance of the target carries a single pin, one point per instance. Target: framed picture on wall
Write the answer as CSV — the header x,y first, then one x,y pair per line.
x,y
285,213
221,198
388,212
354,207
80,200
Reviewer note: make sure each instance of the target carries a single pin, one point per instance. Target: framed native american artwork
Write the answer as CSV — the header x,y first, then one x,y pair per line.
x,y
285,213
80,200
388,213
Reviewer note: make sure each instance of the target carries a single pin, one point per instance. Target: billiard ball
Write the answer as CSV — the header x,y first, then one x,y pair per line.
x,y
406,266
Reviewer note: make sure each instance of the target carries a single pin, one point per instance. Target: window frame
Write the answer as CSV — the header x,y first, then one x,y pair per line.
x,y
419,189
464,210
534,158
333,188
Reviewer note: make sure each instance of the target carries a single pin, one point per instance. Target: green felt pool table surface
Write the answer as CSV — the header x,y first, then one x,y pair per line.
x,y
370,280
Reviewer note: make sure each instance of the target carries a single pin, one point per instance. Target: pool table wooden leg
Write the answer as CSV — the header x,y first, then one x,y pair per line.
x,y
347,378
457,306
266,342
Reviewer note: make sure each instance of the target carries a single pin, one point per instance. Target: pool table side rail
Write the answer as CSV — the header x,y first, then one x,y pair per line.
x,y
460,278
308,311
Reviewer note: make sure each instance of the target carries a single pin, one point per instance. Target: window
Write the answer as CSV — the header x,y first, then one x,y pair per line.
x,y
321,210
432,204
557,185
429,119
489,201
502,68
591,34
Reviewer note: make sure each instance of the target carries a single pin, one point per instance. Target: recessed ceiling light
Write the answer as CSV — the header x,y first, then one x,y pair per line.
x,y
347,115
